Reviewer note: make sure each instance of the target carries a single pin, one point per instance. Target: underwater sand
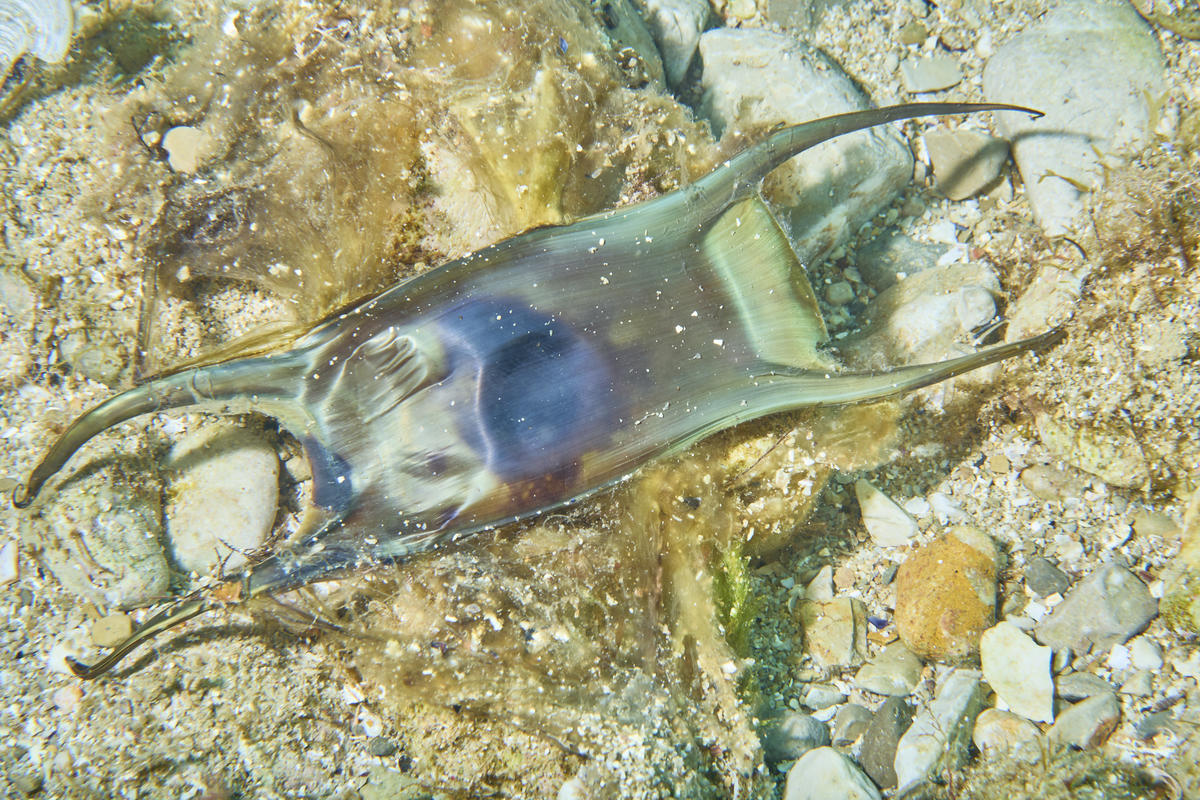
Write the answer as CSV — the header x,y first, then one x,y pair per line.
x,y
255,706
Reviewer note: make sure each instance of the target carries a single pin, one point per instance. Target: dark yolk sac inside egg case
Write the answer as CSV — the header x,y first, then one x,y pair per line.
x,y
507,385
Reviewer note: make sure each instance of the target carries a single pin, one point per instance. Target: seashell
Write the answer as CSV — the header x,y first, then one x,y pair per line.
x,y
40,27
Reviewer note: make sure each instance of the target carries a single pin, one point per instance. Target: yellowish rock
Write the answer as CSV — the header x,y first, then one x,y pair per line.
x,y
946,595
1114,457
111,630
835,633
1181,599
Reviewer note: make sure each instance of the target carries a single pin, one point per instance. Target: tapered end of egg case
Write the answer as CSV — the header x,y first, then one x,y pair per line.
x,y
271,381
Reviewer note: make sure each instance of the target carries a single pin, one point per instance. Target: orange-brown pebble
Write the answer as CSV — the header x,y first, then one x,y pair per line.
x,y
946,595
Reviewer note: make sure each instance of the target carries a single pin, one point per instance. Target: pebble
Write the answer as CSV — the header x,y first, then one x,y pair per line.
x,y
573,789
1018,669
820,695
675,26
895,672
924,317
626,27
946,595
888,524
1052,483
1111,455
835,632
940,735
1139,684
1107,607
914,32
999,731
1043,578
111,630
1081,685
929,74
381,747
1153,724
793,736
820,588
1088,723
1048,300
965,162
877,752
67,697
851,722
1153,524
9,571
826,774
843,579
840,293
223,498
755,78
16,296
1146,654
1093,67
102,539
894,256
185,147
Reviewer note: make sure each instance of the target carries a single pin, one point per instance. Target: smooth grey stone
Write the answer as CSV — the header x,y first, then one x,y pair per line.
x,y
895,672
1088,723
793,736
1045,579
998,731
929,74
1080,686
965,162
1095,69
851,722
877,752
940,735
820,696
826,774
754,79
1107,607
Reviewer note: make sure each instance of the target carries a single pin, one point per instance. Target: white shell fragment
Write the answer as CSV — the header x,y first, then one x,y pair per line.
x,y
40,27
889,524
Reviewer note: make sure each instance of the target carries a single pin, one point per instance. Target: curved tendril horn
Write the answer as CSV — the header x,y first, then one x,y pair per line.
x,y
168,618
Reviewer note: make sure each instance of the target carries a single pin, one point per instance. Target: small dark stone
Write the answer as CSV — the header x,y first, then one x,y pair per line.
x,y
878,751
1044,579
382,746
889,574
